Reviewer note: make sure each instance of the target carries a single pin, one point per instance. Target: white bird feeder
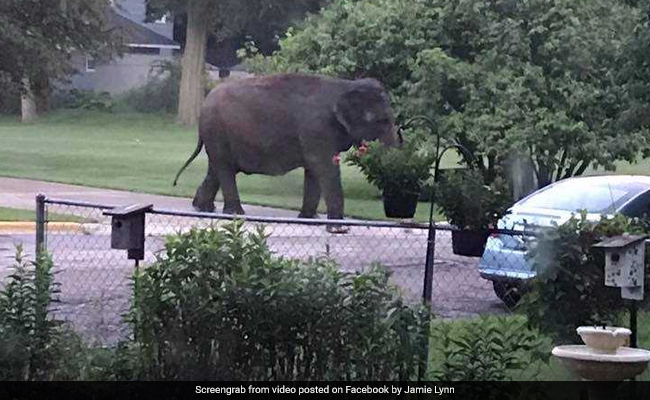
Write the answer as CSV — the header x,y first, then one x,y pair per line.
x,y
625,264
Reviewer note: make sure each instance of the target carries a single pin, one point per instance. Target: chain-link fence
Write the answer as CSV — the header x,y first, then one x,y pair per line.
x,y
95,280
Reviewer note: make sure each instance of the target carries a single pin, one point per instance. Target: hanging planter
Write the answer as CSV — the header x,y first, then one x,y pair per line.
x,y
473,207
400,204
399,173
468,243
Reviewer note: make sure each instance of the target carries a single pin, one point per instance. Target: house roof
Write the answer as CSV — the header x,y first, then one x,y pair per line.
x,y
140,35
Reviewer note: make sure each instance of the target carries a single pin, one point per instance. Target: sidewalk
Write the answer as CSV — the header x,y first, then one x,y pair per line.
x,y
21,193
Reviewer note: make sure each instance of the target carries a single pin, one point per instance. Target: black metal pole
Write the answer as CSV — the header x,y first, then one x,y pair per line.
x,y
633,324
40,225
427,290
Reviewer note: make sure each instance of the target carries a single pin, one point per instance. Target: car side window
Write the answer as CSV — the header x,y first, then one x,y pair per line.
x,y
639,207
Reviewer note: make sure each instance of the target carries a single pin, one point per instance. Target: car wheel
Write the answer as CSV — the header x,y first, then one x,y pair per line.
x,y
508,293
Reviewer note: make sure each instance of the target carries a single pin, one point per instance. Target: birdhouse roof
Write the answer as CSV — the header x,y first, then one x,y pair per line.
x,y
620,241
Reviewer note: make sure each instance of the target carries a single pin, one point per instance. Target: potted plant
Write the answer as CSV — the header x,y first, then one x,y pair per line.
x,y
400,173
473,207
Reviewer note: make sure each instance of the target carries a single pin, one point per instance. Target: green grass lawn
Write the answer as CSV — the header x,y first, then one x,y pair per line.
x,y
142,153
13,215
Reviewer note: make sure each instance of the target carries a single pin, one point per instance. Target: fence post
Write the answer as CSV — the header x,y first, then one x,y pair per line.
x,y
40,225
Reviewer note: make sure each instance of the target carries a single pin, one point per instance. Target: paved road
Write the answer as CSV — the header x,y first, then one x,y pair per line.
x,y
95,280
21,193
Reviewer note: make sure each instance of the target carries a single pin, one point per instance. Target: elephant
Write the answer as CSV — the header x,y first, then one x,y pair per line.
x,y
276,123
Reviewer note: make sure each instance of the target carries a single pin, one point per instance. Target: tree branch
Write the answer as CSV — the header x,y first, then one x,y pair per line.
x,y
583,167
570,169
560,166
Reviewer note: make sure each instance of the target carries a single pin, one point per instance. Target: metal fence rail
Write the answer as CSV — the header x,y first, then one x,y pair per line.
x,y
96,280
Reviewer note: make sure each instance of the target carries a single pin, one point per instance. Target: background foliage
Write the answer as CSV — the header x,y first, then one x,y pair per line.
x,y
160,93
536,77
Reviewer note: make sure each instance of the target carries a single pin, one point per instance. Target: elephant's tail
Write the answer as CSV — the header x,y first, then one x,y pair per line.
x,y
199,146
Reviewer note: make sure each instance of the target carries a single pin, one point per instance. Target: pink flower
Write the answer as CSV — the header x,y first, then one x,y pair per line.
x,y
336,159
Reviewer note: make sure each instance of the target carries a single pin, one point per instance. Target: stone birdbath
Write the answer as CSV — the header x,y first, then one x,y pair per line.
x,y
603,357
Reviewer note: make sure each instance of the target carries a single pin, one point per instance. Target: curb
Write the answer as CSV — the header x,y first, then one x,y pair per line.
x,y
30,227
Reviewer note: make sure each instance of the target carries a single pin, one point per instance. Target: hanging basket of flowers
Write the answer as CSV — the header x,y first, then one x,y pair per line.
x,y
400,173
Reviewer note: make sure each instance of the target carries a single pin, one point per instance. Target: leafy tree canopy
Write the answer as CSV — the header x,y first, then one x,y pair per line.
x,y
260,19
38,37
534,76
637,71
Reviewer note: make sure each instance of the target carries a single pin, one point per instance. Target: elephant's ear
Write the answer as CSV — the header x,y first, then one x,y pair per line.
x,y
354,108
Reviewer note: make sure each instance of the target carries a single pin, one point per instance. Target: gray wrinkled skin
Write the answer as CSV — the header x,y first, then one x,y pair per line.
x,y
271,125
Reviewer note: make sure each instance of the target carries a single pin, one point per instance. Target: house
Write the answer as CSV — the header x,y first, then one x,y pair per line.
x,y
147,44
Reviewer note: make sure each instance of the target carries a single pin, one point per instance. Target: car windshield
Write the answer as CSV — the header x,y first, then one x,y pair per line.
x,y
585,194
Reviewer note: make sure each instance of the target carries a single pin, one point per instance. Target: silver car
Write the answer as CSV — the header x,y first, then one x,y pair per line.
x,y
504,259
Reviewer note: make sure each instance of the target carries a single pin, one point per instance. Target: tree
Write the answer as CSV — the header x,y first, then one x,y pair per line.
x,y
38,38
536,77
225,19
637,73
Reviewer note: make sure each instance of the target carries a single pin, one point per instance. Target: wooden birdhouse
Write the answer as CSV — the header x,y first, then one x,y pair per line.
x,y
128,229
625,264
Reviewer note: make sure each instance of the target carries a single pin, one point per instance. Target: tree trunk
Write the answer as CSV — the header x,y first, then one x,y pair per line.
x,y
28,109
193,63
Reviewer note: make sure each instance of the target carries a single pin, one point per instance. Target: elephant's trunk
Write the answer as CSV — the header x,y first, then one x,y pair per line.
x,y
392,138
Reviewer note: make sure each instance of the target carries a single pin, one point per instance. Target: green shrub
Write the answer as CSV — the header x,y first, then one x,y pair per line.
x,y
33,344
219,305
160,93
484,349
85,100
569,289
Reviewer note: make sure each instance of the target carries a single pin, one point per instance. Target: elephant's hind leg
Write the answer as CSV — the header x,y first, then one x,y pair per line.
x,y
205,194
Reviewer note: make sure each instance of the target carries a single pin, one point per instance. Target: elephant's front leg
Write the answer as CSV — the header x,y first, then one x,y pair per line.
x,y
310,195
329,177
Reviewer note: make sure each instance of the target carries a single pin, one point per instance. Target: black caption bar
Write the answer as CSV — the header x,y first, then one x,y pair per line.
x,y
324,390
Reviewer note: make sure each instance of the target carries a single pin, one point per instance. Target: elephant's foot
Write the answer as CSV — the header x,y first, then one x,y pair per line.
x,y
338,229
308,215
203,206
235,210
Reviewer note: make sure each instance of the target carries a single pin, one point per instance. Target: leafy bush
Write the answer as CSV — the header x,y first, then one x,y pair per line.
x,y
85,100
160,93
469,202
396,170
220,306
27,334
484,349
569,289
